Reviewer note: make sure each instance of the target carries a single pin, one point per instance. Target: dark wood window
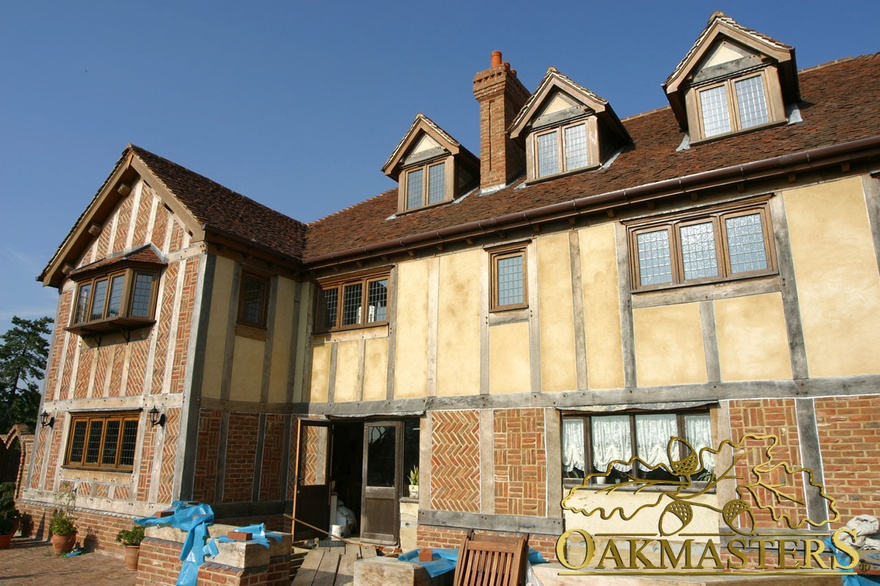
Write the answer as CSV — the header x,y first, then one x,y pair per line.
x,y
591,444
722,244
253,300
426,185
508,279
733,105
353,303
102,441
123,299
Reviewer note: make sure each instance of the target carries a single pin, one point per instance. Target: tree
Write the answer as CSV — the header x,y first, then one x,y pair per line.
x,y
23,352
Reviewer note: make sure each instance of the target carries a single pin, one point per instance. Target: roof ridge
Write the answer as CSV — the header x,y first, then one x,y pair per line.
x,y
646,113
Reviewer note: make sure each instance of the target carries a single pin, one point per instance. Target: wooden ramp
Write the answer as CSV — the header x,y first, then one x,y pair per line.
x,y
331,564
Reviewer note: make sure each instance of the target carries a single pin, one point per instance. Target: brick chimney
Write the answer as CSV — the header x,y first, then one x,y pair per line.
x,y
501,96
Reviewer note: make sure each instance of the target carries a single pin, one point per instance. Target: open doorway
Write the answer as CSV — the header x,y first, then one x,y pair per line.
x,y
347,464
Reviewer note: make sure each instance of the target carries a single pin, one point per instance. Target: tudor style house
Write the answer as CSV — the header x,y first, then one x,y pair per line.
x,y
581,292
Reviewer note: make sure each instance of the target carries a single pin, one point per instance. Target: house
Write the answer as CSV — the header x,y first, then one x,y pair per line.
x,y
510,322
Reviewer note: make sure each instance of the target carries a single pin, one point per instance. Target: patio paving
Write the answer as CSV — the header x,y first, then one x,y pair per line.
x,y
29,562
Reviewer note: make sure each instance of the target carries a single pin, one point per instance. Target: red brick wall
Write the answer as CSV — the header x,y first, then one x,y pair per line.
x,y
849,436
95,531
206,456
169,453
240,455
159,562
520,462
164,310
455,461
273,451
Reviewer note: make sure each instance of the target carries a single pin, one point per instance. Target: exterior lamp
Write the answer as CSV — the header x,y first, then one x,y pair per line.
x,y
46,420
156,418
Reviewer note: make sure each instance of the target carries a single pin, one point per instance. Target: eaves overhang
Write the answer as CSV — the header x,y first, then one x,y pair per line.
x,y
736,174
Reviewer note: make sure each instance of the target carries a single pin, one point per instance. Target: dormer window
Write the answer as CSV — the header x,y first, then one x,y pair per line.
x,y
566,128
431,167
733,79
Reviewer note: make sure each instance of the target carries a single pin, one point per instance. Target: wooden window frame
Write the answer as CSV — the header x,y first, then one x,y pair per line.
x,y
124,320
772,102
264,280
572,481
717,216
499,254
104,417
425,167
363,279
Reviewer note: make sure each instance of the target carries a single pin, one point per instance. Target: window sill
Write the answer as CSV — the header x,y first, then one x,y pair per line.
x,y
705,282
88,473
359,333
508,315
252,332
116,324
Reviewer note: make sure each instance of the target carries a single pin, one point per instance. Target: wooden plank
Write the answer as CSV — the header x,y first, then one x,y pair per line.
x,y
306,573
326,574
368,551
345,573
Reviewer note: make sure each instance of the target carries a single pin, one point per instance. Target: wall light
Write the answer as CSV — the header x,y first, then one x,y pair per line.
x,y
156,418
46,420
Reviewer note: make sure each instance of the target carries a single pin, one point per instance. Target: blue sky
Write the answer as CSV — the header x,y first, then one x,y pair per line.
x,y
296,104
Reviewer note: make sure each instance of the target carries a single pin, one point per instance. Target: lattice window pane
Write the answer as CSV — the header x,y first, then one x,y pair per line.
x,y
111,441
78,441
117,285
93,449
510,280
129,440
253,294
436,183
576,147
414,186
751,102
82,303
98,300
548,154
698,251
143,294
331,303
655,263
716,116
377,300
745,244
351,304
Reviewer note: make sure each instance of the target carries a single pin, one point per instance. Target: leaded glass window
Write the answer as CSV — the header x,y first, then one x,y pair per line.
x,y
548,154
98,300
655,264
745,243
103,441
117,287
142,297
576,147
751,102
698,251
414,186
353,303
716,115
436,183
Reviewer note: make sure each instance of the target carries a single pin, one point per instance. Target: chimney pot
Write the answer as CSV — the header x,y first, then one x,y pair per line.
x,y
496,58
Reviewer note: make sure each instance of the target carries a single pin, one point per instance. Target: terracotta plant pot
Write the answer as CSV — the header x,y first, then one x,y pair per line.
x,y
63,543
5,541
132,553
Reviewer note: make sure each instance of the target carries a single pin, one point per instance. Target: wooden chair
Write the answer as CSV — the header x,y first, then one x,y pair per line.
x,y
491,560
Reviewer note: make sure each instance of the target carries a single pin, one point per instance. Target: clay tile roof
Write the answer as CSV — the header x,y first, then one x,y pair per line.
x,y
146,254
840,104
220,209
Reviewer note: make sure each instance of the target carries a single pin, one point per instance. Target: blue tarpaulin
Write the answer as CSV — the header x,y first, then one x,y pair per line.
x,y
444,560
194,519
258,532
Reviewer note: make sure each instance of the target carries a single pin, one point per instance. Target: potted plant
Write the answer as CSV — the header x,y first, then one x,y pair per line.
x,y
414,482
131,539
63,523
9,515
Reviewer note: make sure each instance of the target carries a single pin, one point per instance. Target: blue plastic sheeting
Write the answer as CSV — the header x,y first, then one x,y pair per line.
x,y
194,519
851,579
260,535
445,560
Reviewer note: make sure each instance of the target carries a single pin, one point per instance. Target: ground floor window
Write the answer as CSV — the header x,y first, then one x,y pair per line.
x,y
103,441
590,443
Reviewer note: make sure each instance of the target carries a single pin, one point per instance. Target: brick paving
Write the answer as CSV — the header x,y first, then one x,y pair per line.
x,y
30,562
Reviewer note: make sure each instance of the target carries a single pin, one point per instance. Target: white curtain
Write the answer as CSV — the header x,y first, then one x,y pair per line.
x,y
611,441
699,435
573,445
653,433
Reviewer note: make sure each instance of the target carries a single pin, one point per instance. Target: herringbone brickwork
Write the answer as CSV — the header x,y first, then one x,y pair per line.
x,y
54,450
520,462
159,226
137,367
84,371
455,461
163,327
118,369
146,469
124,214
206,455
169,452
102,357
184,324
142,219
73,343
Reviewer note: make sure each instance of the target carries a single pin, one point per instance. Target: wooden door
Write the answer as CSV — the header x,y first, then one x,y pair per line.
x,y
311,499
380,509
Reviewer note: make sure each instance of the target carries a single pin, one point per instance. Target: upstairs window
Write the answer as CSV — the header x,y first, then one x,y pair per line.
x,y
426,185
735,104
123,299
253,300
354,303
102,441
561,150
724,244
508,288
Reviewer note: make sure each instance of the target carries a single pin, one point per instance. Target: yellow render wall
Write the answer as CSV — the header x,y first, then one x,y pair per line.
x,y
215,347
320,386
558,359
411,361
669,345
752,339
247,369
458,328
375,369
509,368
283,332
346,386
837,280
599,277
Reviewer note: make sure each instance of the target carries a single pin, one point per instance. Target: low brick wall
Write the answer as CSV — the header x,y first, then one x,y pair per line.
x,y
96,531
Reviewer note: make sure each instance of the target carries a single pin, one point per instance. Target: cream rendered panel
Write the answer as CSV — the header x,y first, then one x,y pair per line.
x,y
218,323
752,338
281,340
556,104
426,143
247,369
558,359
724,53
599,277
669,345
411,366
320,387
346,386
509,369
458,329
837,280
375,369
